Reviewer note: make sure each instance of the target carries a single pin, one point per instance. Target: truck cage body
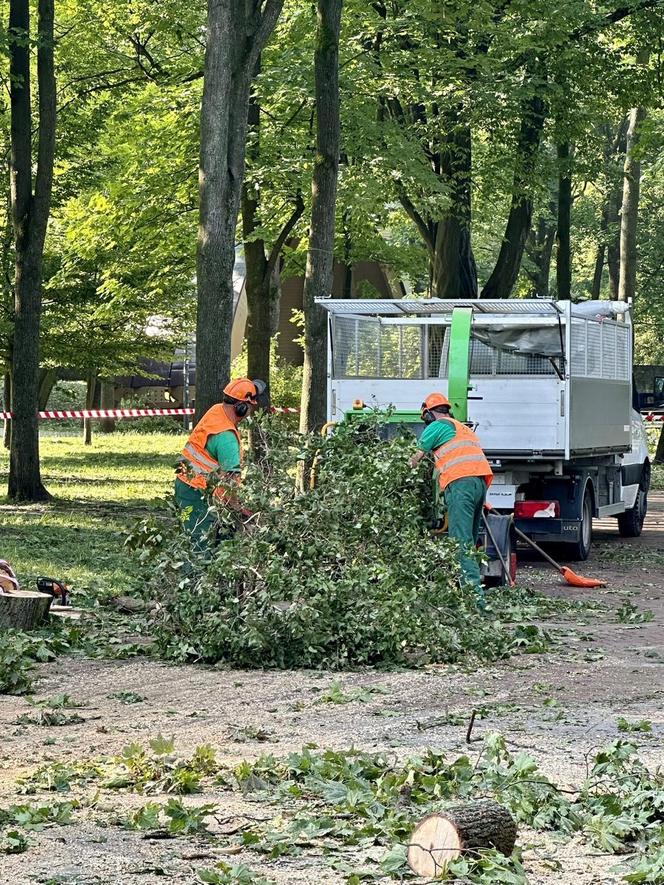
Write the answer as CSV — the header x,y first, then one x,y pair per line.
x,y
548,379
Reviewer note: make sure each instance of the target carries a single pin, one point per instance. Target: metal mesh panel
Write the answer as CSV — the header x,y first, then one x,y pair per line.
x,y
600,350
484,359
578,355
365,348
438,343
608,350
623,337
593,350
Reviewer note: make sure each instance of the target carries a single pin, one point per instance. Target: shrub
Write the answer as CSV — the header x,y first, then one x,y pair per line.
x,y
346,574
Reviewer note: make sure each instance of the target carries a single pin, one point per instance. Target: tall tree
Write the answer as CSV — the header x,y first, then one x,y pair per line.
x,y
320,258
261,263
563,234
30,213
630,207
236,34
506,270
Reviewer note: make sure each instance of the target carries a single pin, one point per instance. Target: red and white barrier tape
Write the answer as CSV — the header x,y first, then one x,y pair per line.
x,y
121,413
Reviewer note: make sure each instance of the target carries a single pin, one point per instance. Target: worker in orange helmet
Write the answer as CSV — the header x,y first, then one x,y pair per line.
x,y
464,475
213,452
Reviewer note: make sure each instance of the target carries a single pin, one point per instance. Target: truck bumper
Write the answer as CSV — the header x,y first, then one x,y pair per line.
x,y
550,530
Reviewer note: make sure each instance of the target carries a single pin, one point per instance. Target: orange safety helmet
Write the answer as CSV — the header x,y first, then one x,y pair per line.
x,y
431,403
245,391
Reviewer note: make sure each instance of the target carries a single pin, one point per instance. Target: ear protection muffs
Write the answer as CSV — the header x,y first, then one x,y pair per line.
x,y
428,416
241,409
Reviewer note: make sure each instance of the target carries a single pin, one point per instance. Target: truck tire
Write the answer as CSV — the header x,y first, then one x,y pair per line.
x,y
579,551
630,523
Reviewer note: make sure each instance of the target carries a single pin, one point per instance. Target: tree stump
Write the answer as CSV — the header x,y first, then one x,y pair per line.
x,y
23,609
440,838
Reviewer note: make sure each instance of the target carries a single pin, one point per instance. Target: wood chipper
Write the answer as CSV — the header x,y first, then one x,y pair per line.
x,y
546,385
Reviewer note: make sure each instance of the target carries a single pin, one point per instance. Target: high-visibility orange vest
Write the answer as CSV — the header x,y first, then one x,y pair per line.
x,y
460,457
197,464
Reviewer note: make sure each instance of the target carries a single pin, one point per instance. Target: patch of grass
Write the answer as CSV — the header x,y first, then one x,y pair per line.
x,y
98,492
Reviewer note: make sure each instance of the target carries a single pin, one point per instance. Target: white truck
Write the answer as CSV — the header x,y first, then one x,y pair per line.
x,y
547,386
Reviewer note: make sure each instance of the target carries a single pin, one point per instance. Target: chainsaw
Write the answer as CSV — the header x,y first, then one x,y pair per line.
x,y
55,588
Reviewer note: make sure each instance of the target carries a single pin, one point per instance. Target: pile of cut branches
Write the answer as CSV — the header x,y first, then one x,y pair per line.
x,y
346,574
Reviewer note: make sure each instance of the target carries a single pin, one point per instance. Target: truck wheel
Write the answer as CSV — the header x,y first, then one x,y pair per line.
x,y
630,523
580,550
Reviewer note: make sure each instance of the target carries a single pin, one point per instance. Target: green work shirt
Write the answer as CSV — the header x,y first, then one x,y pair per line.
x,y
225,449
436,434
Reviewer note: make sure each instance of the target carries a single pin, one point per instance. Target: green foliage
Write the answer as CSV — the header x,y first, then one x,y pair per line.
x,y
20,651
179,819
346,574
336,695
13,842
643,725
127,697
158,770
338,801
630,614
225,874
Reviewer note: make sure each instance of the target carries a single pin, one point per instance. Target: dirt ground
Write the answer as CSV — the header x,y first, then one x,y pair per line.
x,y
601,669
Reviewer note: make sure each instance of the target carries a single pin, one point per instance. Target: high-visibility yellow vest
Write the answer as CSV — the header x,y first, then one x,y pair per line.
x,y
462,456
197,464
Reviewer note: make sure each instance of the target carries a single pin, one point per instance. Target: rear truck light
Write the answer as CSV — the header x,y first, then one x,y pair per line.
x,y
536,509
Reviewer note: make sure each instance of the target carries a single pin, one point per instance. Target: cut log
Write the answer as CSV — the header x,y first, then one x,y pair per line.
x,y
440,838
23,609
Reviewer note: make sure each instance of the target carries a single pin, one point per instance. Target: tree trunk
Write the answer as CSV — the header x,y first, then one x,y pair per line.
x,y
47,380
257,279
236,33
506,271
24,609
596,286
107,401
542,251
440,838
563,236
630,207
454,272
91,402
320,258
616,152
30,214
7,397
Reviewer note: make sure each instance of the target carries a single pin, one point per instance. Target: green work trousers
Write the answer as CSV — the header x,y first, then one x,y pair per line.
x,y
464,500
200,519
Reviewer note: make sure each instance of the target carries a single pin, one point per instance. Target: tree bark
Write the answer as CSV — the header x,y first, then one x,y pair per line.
x,y
454,272
506,271
319,273
262,274
630,207
7,397
596,285
540,253
563,235
47,379
107,401
24,609
440,838
91,402
236,33
30,213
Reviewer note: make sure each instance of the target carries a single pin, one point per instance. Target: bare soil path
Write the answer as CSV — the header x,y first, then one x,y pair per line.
x,y
559,706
